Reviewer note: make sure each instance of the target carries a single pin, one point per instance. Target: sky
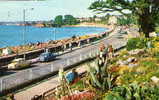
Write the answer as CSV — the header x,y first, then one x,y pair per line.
x,y
43,10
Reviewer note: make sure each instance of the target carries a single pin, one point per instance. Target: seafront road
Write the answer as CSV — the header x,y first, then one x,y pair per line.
x,y
114,39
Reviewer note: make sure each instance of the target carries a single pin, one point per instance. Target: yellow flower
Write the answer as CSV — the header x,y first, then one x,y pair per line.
x,y
122,69
156,44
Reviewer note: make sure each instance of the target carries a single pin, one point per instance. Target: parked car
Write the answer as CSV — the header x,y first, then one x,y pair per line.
x,y
19,64
47,56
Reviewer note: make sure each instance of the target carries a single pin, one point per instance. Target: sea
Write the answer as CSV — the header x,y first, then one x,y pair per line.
x,y
20,35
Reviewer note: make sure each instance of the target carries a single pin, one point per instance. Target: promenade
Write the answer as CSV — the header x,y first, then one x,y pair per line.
x,y
39,89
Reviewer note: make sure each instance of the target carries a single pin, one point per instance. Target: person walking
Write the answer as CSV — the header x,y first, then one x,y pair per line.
x,y
110,51
72,76
102,57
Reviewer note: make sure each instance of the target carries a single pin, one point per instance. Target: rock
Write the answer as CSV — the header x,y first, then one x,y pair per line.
x,y
116,54
132,59
153,34
120,62
131,65
129,62
155,79
136,51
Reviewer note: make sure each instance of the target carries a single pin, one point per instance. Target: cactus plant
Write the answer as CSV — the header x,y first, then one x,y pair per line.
x,y
100,77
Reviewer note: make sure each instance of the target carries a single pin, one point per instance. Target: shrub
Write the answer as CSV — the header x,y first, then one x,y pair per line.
x,y
149,64
113,96
157,55
136,43
133,92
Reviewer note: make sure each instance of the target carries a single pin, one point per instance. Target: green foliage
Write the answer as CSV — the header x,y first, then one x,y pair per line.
x,y
58,21
113,96
149,64
127,78
157,29
156,55
69,20
78,86
126,21
133,92
146,11
136,43
101,78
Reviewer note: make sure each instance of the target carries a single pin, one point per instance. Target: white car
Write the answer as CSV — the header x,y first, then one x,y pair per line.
x,y
19,64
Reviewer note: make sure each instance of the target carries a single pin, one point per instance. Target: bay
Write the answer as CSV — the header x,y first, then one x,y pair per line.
x,y
13,35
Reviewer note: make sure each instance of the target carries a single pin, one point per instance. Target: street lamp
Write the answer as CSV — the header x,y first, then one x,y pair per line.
x,y
24,29
55,34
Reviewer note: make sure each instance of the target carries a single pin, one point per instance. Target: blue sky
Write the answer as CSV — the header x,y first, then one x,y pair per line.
x,y
43,10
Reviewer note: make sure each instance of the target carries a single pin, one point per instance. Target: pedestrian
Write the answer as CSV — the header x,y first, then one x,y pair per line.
x,y
110,51
72,76
70,45
102,57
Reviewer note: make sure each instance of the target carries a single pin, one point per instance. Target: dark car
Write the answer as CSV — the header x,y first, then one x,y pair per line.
x,y
47,56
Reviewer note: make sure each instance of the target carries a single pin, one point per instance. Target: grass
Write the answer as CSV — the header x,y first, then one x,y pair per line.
x,y
79,85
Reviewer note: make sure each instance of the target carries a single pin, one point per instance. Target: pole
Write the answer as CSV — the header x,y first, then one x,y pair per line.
x,y
54,34
24,30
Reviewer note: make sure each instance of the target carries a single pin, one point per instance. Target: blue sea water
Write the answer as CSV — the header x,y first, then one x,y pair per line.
x,y
13,35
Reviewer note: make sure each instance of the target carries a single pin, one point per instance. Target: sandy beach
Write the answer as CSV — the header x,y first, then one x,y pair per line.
x,y
86,24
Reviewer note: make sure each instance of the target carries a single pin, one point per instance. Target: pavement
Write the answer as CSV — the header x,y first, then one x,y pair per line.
x,y
53,82
43,87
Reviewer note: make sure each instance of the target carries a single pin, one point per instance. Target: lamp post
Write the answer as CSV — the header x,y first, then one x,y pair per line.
x,y
24,29
55,36
54,33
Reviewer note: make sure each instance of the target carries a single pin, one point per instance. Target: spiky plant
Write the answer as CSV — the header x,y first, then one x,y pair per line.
x,y
100,77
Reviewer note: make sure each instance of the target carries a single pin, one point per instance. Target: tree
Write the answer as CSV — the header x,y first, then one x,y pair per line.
x,y
69,20
94,18
58,21
146,11
126,20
